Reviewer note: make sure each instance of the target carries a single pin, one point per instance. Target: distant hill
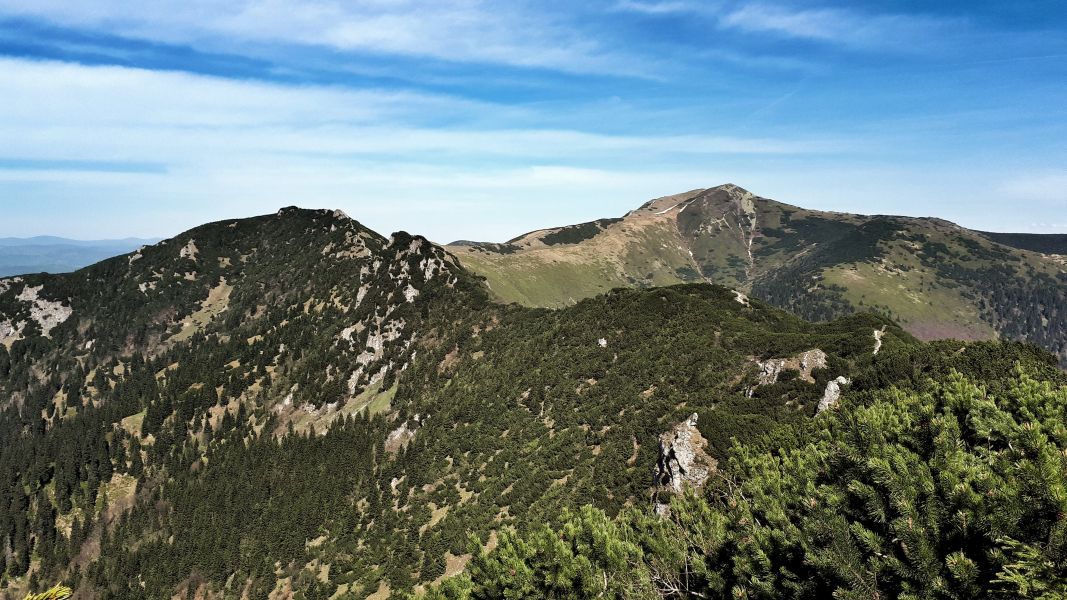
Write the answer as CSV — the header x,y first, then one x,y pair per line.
x,y
50,254
939,280
1045,243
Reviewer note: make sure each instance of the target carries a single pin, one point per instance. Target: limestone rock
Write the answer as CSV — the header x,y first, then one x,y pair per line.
x,y
832,395
189,250
878,334
805,363
683,460
402,436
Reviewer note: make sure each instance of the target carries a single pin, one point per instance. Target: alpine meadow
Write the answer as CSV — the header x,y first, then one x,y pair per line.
x,y
843,376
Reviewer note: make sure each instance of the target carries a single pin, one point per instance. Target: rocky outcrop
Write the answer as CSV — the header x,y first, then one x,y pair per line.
x,y
805,363
832,395
402,436
46,313
189,250
683,461
878,334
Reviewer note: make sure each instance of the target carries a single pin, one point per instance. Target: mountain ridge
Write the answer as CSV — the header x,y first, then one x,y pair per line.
x,y
293,405
933,275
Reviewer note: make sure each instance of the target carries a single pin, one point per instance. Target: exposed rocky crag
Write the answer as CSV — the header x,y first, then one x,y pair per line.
x,y
804,363
683,460
832,395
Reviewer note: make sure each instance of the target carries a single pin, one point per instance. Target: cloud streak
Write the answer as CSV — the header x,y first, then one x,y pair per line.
x,y
1048,187
842,26
60,111
835,25
670,7
69,128
478,31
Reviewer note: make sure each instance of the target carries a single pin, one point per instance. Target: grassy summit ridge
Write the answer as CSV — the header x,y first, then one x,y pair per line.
x,y
937,279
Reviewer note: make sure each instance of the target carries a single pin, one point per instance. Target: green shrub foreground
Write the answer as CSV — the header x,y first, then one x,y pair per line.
x,y
950,492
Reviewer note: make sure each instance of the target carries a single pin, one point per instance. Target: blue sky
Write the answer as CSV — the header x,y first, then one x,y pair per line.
x,y
480,120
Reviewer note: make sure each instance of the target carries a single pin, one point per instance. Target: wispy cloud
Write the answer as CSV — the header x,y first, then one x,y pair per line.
x,y
82,166
661,7
837,25
60,111
70,129
509,33
845,26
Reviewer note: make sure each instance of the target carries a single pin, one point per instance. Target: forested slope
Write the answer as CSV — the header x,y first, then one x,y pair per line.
x,y
295,406
954,489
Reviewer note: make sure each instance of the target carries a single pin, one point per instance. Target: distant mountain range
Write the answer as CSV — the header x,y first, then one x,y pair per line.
x,y
50,254
936,278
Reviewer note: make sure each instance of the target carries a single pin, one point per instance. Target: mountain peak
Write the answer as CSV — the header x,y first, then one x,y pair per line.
x,y
296,211
816,263
731,187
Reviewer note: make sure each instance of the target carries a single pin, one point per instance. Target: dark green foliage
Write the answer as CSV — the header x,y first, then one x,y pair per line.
x,y
687,273
1047,243
837,243
257,501
943,492
1020,304
572,234
255,461
802,232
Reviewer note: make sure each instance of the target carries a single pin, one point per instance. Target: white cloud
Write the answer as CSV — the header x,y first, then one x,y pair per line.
x,y
227,143
662,7
834,25
63,111
842,26
509,33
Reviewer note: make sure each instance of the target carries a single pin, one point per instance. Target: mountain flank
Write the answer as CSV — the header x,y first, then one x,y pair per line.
x,y
295,406
937,279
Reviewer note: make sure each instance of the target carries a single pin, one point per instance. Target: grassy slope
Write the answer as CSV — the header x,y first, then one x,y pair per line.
x,y
934,276
642,251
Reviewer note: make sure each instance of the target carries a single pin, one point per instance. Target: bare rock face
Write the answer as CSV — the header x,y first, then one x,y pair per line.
x,y
402,436
832,395
769,370
46,313
805,363
683,460
878,334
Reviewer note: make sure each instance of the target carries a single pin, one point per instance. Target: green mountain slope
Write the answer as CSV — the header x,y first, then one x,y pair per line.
x,y
295,406
937,279
918,494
